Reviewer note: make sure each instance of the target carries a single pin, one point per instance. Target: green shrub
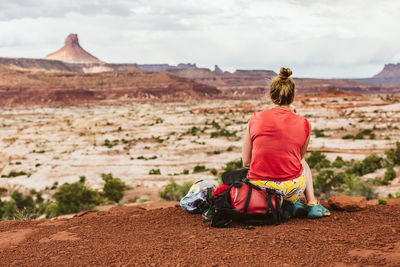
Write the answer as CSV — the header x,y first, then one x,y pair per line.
x,y
390,174
22,207
233,165
382,201
319,133
367,165
174,191
214,171
348,136
355,187
317,160
14,174
393,155
113,188
154,172
199,168
223,132
75,197
192,131
397,194
22,201
338,162
327,182
362,133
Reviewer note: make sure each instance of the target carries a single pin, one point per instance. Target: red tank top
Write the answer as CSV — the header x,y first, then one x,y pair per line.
x,y
277,136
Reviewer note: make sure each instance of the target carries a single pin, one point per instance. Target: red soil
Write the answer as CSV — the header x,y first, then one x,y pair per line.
x,y
132,236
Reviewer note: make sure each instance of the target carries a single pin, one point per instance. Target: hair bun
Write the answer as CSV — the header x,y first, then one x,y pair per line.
x,y
285,73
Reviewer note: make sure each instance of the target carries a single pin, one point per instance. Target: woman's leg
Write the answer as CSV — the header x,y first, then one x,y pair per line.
x,y
309,191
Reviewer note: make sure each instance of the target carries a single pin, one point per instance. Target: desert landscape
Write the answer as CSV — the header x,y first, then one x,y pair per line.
x,y
57,144
72,119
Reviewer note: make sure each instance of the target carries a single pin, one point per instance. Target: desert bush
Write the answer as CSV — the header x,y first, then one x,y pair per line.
x,y
317,160
22,201
199,168
74,197
355,187
110,144
157,139
393,155
327,182
14,174
338,162
174,191
113,188
348,136
390,173
214,171
233,165
365,132
192,131
154,172
22,207
223,132
367,165
382,201
319,133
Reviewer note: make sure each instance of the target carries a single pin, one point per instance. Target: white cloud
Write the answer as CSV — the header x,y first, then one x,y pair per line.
x,y
316,38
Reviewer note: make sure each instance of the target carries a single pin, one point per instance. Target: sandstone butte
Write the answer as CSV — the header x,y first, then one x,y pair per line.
x,y
72,52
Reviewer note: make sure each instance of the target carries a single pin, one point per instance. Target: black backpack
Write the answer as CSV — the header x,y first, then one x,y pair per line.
x,y
221,212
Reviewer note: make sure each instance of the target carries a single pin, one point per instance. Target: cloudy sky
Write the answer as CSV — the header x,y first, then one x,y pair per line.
x,y
342,38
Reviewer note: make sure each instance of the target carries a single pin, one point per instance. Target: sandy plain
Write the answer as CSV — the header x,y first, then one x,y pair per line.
x,y
61,143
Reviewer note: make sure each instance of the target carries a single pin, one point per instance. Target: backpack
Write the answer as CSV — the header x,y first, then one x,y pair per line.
x,y
239,200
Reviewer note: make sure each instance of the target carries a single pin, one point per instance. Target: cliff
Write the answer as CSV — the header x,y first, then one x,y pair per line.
x,y
33,88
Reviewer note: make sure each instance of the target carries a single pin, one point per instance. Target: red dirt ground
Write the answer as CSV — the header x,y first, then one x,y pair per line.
x,y
134,236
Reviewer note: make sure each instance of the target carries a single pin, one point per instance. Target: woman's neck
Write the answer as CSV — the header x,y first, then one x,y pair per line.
x,y
287,107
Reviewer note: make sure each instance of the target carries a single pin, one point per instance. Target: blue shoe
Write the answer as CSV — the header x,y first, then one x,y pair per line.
x,y
317,211
300,209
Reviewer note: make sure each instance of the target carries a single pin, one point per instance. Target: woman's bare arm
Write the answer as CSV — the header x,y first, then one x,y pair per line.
x,y
246,149
305,145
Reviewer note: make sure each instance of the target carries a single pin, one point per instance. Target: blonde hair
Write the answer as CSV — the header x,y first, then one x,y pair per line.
x,y
282,88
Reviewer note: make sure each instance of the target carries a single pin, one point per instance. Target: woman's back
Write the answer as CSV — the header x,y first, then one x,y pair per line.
x,y
277,136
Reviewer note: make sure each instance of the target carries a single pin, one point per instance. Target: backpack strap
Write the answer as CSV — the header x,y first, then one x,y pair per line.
x,y
278,210
246,205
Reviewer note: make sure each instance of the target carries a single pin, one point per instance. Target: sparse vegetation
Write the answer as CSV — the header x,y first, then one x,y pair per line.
x,y
154,172
174,191
113,188
199,168
223,132
71,198
319,133
14,174
317,160
382,201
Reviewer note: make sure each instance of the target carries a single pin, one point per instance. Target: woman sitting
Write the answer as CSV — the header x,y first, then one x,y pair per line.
x,y
274,147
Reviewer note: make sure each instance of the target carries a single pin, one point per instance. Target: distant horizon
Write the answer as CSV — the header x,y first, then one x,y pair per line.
x,y
212,68
318,39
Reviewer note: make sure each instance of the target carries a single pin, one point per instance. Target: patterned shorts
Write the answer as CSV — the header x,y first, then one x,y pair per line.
x,y
290,190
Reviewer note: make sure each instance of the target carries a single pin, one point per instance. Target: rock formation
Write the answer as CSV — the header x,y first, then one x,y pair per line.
x,y
389,71
347,203
72,52
217,69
